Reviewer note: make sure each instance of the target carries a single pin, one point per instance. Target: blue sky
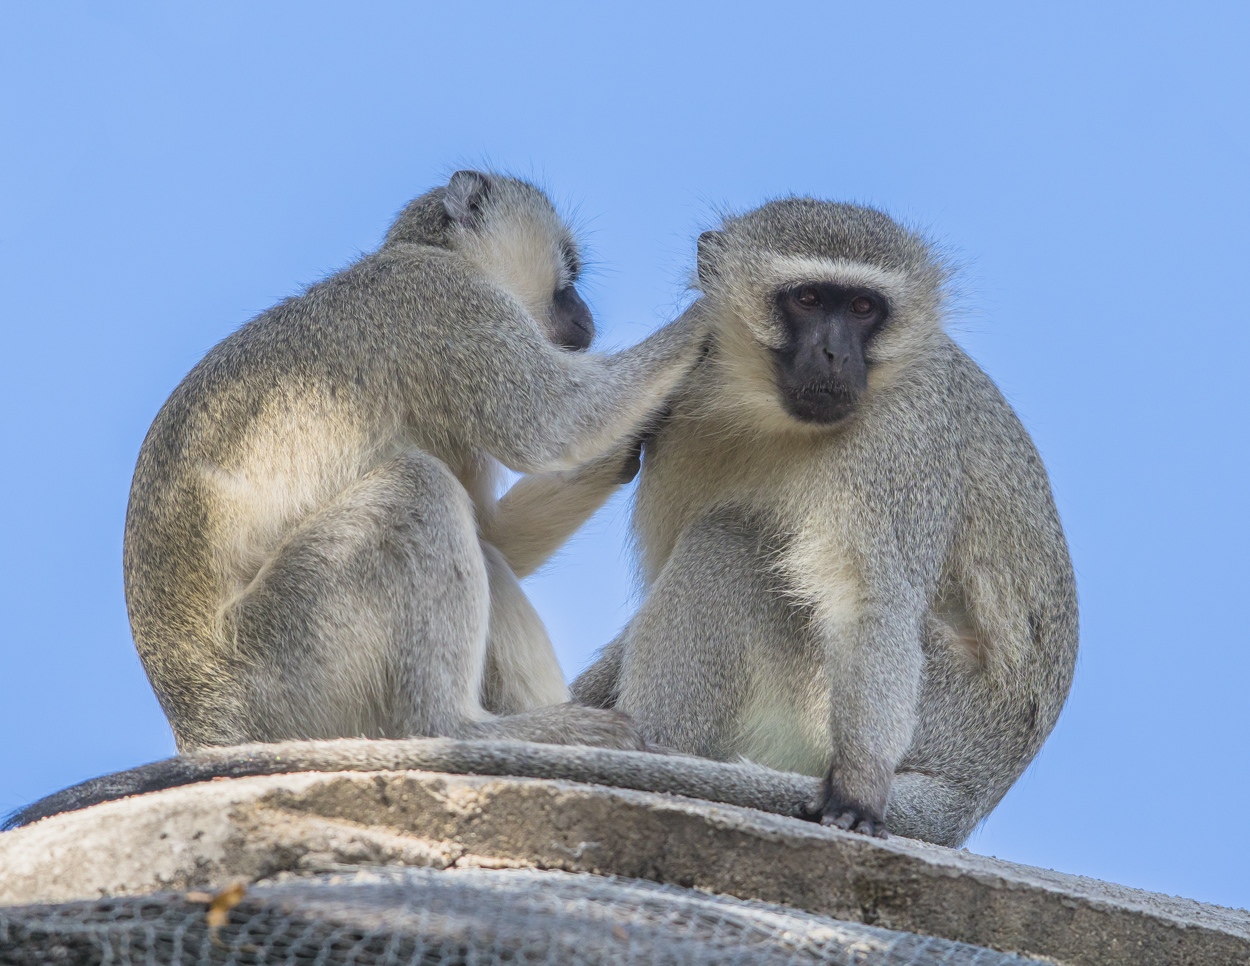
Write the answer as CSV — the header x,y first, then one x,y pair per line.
x,y
169,170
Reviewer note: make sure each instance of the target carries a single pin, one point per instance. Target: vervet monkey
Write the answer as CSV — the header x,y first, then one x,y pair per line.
x,y
852,559
313,548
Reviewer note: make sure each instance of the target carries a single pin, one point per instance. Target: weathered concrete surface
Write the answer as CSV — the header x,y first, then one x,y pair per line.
x,y
252,828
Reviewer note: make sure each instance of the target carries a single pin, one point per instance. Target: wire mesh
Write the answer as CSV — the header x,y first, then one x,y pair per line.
x,y
475,917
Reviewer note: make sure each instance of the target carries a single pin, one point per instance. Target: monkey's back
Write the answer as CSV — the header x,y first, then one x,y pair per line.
x,y
277,418
994,690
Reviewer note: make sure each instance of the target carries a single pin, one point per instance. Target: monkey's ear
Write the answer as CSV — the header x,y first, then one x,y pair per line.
x,y
711,245
464,195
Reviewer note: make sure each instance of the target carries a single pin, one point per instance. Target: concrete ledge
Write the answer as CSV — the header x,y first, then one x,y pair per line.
x,y
254,828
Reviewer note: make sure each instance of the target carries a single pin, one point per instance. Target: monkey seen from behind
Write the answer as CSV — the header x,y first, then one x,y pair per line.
x,y
313,547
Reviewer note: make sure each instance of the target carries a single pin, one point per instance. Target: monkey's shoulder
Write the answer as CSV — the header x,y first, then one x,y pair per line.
x,y
948,400
433,280
995,447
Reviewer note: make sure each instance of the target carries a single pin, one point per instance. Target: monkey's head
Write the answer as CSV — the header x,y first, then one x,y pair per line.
x,y
816,305
509,229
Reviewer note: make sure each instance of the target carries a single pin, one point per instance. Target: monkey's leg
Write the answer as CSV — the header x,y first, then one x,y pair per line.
x,y
522,672
933,808
599,685
523,682
689,656
976,732
371,618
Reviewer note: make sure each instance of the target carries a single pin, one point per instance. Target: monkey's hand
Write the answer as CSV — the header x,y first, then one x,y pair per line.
x,y
834,808
633,454
632,463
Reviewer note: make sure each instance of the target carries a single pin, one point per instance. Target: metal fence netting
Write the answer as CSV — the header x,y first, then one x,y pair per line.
x,y
476,917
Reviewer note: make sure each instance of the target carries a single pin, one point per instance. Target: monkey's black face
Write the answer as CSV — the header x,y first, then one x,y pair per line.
x,y
821,370
572,325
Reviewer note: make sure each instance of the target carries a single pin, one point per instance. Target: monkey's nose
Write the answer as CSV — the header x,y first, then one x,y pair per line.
x,y
835,360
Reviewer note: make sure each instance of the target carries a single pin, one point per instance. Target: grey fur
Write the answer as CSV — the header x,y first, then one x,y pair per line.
x,y
313,547
733,784
887,601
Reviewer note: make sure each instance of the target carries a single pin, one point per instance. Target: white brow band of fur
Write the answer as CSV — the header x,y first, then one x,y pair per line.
x,y
794,270
768,273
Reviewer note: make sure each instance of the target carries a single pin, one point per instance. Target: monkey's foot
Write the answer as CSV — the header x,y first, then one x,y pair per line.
x,y
566,724
847,816
601,727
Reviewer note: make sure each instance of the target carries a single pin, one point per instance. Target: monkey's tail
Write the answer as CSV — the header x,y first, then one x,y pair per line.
x,y
748,785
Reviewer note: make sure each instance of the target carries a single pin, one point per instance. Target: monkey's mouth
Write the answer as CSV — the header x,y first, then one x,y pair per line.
x,y
820,389
576,337
820,402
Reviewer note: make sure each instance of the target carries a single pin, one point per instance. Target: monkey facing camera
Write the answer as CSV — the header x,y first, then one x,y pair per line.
x,y
313,546
853,564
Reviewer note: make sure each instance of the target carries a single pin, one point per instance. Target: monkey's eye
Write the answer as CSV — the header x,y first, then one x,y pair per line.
x,y
862,306
808,297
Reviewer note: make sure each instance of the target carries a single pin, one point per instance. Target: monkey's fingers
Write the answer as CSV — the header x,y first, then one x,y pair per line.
x,y
632,464
833,811
850,819
633,459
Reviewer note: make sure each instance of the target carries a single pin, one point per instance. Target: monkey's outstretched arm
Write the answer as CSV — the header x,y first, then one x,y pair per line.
x,y
747,785
542,510
563,409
